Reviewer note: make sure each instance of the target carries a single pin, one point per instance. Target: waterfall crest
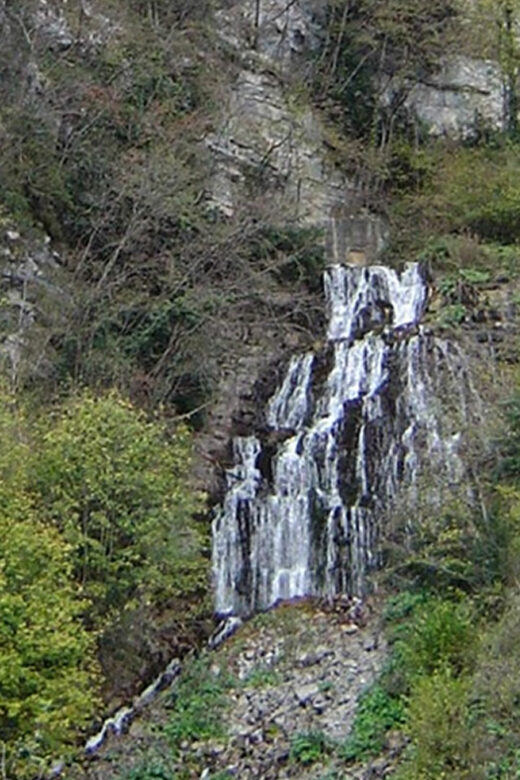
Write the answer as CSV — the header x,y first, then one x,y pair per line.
x,y
306,519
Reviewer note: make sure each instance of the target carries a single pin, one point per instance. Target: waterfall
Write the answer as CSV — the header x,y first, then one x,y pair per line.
x,y
382,404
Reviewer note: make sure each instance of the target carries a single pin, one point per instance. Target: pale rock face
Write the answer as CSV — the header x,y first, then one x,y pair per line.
x,y
26,269
90,29
51,20
264,135
278,29
464,96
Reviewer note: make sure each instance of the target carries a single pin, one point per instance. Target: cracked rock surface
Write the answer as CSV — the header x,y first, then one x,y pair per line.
x,y
302,671
296,670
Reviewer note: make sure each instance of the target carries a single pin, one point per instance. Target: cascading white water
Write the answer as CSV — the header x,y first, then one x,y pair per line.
x,y
305,520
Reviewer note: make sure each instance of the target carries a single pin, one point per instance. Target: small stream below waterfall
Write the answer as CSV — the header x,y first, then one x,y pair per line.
x,y
389,405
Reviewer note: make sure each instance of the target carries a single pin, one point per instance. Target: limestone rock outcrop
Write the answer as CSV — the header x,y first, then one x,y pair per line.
x,y
266,137
27,283
463,98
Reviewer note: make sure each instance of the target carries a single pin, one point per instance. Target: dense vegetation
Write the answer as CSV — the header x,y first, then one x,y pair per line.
x,y
451,682
43,644
97,520
103,150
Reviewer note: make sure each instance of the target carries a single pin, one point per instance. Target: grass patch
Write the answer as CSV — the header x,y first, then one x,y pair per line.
x,y
261,677
307,747
378,712
155,770
198,704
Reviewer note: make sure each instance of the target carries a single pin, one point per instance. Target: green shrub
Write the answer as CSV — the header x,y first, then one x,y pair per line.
x,y
308,747
454,314
496,692
438,724
47,671
439,635
261,677
508,443
450,203
447,549
48,675
403,604
377,712
197,704
117,487
504,258
155,769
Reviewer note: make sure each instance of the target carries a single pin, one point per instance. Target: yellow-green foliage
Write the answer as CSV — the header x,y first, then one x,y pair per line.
x,y
467,725
454,657
472,191
496,688
46,666
117,487
478,190
47,672
437,637
437,723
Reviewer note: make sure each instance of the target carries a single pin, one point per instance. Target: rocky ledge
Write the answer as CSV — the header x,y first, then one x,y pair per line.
x,y
292,674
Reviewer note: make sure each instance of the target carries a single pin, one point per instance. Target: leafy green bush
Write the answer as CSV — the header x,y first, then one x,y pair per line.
x,y
402,605
197,704
438,635
117,487
454,314
47,672
495,739
377,712
48,676
504,257
438,723
508,466
448,549
261,677
154,769
308,747
450,205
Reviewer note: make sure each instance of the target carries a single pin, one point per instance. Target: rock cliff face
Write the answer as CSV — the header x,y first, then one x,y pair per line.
x,y
266,140
269,134
464,98
28,271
